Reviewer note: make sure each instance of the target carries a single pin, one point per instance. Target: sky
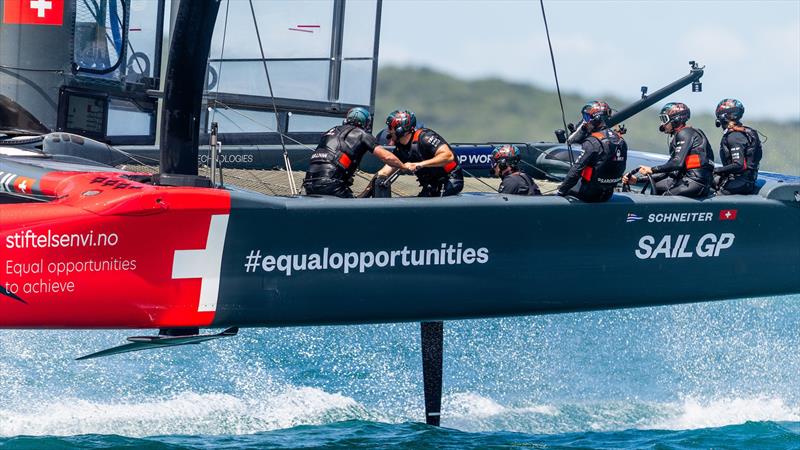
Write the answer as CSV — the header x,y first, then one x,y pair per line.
x,y
751,49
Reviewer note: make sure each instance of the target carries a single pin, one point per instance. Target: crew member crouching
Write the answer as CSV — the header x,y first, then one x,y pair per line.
x,y
739,151
690,169
596,173
425,153
505,164
339,153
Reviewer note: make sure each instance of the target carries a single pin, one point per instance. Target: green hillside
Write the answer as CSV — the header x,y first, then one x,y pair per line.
x,y
496,110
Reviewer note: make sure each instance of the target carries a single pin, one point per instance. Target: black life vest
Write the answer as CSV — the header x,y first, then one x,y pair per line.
x,y
610,166
417,153
752,153
334,151
699,161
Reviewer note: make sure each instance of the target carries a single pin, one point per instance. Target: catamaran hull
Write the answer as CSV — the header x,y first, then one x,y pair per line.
x,y
113,253
497,255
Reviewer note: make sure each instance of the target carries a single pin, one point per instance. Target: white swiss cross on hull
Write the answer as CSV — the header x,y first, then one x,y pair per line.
x,y
204,263
41,6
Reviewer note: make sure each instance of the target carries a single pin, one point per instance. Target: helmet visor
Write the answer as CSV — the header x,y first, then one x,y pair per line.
x,y
586,116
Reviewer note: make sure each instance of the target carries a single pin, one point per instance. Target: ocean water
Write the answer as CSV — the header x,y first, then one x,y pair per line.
x,y
715,375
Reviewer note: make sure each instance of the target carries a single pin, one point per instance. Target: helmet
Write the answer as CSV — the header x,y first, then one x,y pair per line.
x,y
729,110
360,117
401,122
505,157
674,113
596,112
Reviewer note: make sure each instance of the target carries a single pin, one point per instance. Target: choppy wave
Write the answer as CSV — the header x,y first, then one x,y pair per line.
x,y
673,370
191,413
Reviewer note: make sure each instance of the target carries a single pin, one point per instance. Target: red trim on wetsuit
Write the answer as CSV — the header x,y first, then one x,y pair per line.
x,y
345,160
693,162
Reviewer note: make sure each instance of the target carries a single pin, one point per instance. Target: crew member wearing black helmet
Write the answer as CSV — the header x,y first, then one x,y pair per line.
x,y
339,153
690,168
505,164
425,153
739,151
596,173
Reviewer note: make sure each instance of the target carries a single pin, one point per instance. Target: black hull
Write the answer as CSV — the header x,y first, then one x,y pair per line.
x,y
542,255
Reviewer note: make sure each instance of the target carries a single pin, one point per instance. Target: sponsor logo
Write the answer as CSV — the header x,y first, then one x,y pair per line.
x,y
32,239
474,159
33,12
680,217
117,183
728,214
347,262
11,182
434,141
244,158
682,246
633,218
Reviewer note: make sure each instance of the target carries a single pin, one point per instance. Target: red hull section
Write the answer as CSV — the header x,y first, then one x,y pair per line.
x,y
110,253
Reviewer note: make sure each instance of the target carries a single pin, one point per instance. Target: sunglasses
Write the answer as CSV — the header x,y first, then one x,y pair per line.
x,y
664,118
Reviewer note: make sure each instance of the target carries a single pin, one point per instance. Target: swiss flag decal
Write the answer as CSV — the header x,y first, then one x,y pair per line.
x,y
34,12
24,185
727,214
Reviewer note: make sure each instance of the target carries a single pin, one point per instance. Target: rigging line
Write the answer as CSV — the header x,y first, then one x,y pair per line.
x,y
261,124
236,124
224,116
221,56
25,69
132,157
96,17
558,88
274,105
546,175
478,178
130,46
358,173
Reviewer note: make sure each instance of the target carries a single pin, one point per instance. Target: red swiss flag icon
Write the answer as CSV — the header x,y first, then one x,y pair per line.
x,y
34,12
727,214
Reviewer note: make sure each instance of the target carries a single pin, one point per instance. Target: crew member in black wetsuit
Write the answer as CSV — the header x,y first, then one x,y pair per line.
x,y
339,153
598,170
505,164
739,151
426,154
690,169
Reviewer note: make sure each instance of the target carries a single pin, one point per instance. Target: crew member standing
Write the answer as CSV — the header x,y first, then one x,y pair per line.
x,y
596,173
425,153
739,151
339,153
505,164
690,169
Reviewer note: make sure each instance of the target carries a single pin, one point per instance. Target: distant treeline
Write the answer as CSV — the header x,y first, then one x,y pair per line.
x,y
496,110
